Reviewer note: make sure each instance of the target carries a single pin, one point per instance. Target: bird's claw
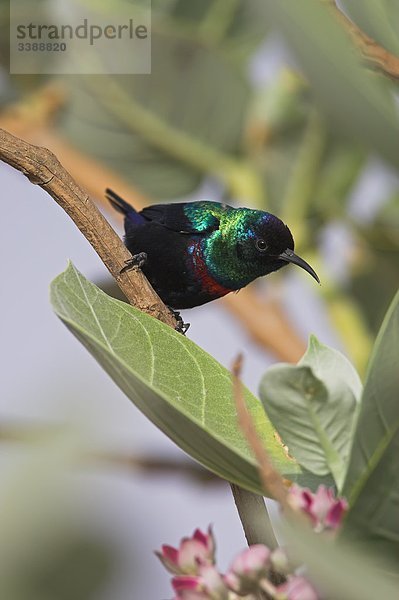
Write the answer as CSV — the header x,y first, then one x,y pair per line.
x,y
181,326
136,262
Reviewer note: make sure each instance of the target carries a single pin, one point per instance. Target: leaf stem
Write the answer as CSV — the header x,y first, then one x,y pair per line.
x,y
254,517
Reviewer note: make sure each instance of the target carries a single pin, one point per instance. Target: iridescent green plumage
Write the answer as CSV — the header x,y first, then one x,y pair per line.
x,y
229,248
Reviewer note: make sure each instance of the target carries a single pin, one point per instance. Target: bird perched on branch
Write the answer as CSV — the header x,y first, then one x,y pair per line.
x,y
195,252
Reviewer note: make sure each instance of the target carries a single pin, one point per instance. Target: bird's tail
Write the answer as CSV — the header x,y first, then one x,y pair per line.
x,y
132,217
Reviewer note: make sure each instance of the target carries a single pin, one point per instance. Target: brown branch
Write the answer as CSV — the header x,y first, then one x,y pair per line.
x,y
375,55
43,168
271,479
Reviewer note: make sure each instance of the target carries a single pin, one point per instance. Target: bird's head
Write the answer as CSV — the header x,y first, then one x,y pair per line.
x,y
265,244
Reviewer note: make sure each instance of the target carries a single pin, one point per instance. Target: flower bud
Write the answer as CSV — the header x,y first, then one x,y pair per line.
x,y
325,511
192,552
296,588
279,561
248,568
207,585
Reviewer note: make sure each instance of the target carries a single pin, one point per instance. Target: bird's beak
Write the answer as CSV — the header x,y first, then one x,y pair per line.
x,y
290,256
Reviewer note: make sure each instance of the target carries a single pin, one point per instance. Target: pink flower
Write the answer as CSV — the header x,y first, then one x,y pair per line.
x,y
192,552
279,561
296,588
207,585
325,511
248,568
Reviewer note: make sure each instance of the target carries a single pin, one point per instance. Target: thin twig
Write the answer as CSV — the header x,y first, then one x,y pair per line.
x,y
252,518
272,481
375,55
270,477
43,168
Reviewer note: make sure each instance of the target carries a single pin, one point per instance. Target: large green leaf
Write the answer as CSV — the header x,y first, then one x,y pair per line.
x,y
372,481
313,405
178,386
359,104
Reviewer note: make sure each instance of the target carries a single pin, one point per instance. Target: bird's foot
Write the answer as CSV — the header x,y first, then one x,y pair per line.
x,y
136,262
181,326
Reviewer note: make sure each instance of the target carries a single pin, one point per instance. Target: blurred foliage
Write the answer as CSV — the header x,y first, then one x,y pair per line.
x,y
47,554
73,567
375,275
359,576
348,95
190,90
197,88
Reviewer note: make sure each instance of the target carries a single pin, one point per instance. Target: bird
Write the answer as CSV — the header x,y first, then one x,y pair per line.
x,y
195,252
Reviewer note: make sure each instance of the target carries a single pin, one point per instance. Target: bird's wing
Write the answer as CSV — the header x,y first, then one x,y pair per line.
x,y
187,217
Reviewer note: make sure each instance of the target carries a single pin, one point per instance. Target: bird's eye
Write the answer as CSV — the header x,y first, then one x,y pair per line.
x,y
261,245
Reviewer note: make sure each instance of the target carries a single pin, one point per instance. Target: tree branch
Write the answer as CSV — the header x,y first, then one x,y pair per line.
x,y
375,55
42,168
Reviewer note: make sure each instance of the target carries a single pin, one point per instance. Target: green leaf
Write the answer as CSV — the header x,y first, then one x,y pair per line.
x,y
312,405
372,481
359,104
178,386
